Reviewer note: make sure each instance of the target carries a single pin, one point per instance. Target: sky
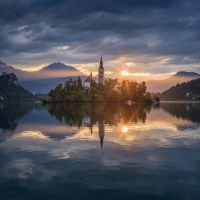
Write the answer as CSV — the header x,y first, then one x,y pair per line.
x,y
146,38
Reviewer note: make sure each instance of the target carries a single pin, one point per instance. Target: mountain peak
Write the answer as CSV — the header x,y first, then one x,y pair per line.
x,y
179,77
184,73
3,64
58,66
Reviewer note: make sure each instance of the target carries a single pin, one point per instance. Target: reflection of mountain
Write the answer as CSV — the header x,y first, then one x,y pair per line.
x,y
186,127
185,111
58,136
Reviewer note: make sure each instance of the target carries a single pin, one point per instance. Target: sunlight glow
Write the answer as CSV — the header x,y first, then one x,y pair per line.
x,y
124,129
124,73
140,74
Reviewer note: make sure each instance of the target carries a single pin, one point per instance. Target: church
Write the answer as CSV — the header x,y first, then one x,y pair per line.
x,y
100,77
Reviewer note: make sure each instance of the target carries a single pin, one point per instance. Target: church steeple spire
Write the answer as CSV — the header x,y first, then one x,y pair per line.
x,y
101,72
101,64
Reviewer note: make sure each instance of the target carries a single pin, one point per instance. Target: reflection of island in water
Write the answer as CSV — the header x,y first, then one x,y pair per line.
x,y
185,111
113,114
86,115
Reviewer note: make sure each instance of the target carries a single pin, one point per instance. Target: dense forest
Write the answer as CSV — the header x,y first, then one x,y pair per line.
x,y
74,92
182,92
10,91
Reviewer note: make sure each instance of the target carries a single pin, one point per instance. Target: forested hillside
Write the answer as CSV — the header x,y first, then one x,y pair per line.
x,y
185,91
165,84
10,91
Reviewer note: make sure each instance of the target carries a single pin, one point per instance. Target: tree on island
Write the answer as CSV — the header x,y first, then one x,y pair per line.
x,y
74,92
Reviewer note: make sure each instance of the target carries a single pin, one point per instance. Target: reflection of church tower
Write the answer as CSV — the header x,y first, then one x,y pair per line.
x,y
88,123
101,72
101,125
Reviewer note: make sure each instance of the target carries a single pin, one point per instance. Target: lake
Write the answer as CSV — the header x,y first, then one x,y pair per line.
x,y
93,152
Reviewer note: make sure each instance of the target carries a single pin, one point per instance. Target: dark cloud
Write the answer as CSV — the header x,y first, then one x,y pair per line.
x,y
115,28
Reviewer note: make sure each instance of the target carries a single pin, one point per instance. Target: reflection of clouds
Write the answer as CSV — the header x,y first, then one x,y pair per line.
x,y
82,158
110,162
141,135
151,126
51,131
162,131
60,154
23,166
143,156
85,134
30,135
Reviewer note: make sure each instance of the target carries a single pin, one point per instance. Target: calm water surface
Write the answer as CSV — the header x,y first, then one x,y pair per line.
x,y
99,151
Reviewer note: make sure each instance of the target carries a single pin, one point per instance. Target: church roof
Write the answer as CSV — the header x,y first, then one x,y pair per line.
x,y
88,79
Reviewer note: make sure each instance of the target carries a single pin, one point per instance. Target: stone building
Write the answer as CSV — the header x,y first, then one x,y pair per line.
x,y
87,81
100,77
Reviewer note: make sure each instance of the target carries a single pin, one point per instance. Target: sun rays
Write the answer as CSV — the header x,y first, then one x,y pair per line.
x,y
124,73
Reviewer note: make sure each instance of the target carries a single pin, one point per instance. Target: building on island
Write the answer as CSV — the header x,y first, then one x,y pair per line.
x,y
101,79
87,81
117,86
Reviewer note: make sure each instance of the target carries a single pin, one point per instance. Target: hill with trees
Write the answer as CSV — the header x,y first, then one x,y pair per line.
x,y
10,91
183,92
179,77
74,92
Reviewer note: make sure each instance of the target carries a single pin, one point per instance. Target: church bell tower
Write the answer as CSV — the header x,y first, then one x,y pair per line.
x,y
101,72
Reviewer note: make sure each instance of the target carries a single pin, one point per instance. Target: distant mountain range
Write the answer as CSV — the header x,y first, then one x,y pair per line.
x,y
162,85
45,79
